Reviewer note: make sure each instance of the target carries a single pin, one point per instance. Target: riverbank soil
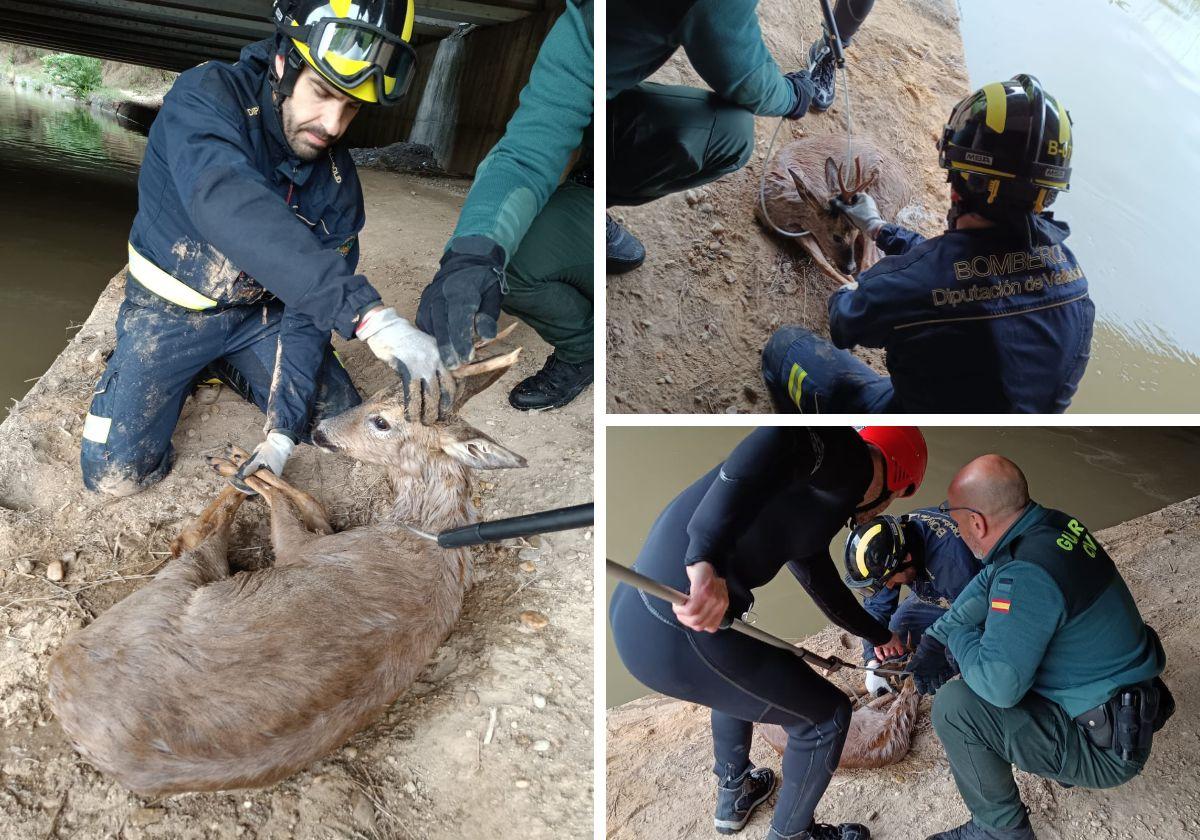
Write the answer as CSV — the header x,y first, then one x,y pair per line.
x,y
686,330
428,768
660,750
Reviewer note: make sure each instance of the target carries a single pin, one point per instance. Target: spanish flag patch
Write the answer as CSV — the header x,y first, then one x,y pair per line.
x,y
1001,605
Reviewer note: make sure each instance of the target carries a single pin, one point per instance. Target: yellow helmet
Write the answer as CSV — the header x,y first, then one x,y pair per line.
x,y
362,47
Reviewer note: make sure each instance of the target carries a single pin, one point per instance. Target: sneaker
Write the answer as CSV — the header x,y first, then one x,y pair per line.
x,y
822,70
972,830
555,385
737,799
624,251
824,831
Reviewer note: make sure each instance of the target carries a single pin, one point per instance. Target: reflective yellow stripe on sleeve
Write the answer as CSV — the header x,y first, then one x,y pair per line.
x,y
164,285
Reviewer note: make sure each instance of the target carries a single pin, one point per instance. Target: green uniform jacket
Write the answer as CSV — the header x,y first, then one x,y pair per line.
x,y
521,172
722,40
1051,614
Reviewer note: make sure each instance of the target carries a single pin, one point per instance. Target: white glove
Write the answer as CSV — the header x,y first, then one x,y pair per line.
x,y
272,454
877,686
413,354
863,213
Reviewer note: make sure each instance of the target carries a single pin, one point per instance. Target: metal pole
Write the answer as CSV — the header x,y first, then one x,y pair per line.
x,y
674,596
543,522
835,43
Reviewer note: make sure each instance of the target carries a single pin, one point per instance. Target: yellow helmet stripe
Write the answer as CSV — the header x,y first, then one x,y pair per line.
x,y
997,106
860,554
1064,124
982,170
408,23
341,8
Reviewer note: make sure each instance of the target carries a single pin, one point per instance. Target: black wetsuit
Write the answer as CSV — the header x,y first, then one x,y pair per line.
x,y
778,500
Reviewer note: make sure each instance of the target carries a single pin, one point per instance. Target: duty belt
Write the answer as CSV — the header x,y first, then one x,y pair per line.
x,y
164,285
1127,721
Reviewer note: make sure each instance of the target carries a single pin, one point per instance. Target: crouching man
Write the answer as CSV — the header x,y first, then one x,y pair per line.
x,y
1060,673
921,550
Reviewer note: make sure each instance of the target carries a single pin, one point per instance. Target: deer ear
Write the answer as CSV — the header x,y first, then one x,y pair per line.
x,y
467,445
831,173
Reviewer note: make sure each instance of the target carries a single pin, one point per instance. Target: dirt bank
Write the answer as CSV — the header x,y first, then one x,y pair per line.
x,y
659,749
423,771
716,298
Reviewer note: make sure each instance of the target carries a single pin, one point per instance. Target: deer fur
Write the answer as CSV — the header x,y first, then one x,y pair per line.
x,y
807,173
203,680
877,737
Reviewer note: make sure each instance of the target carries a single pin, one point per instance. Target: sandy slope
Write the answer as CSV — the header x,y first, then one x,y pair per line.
x,y
659,749
423,771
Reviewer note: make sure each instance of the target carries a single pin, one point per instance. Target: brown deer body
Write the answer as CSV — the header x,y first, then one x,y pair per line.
x,y
205,681
808,172
877,737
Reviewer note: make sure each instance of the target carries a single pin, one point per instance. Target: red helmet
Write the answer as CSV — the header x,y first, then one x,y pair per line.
x,y
904,453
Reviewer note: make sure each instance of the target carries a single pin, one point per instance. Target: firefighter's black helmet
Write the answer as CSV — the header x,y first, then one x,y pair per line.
x,y
1009,143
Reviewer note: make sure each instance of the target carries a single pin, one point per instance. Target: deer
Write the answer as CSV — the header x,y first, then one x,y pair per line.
x,y
878,736
205,680
809,172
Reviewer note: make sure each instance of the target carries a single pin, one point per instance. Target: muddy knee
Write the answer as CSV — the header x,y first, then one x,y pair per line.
x,y
111,477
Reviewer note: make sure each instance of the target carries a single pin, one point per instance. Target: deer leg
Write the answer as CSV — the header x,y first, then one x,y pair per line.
x,y
218,514
312,512
821,262
201,550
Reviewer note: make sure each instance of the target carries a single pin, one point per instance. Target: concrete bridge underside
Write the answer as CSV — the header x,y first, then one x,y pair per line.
x,y
178,34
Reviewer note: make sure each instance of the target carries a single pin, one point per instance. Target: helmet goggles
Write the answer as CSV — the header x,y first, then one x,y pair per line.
x,y
367,62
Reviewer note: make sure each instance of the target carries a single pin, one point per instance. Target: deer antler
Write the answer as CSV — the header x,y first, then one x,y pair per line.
x,y
846,194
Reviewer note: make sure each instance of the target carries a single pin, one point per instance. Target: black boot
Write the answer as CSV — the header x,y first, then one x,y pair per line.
x,y
822,70
971,830
737,798
824,831
555,385
624,251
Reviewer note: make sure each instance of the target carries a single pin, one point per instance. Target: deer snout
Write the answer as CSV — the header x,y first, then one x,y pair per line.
x,y
322,441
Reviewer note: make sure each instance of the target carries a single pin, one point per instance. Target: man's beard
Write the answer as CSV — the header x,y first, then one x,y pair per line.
x,y
299,142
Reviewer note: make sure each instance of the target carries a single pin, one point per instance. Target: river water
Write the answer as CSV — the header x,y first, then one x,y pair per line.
x,y
1102,476
1129,73
68,194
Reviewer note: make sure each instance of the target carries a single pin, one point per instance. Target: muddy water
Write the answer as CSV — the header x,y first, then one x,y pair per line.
x,y
1129,72
68,194
1102,476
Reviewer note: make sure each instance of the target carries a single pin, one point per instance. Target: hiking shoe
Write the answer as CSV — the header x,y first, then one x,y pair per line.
x,y
737,799
972,830
824,831
555,385
624,251
822,71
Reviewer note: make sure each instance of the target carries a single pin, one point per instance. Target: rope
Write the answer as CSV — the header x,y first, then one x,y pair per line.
x,y
762,181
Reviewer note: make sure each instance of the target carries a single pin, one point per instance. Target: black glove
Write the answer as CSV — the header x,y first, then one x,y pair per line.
x,y
929,666
464,298
804,89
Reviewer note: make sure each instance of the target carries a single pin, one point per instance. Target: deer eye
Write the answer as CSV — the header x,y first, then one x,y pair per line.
x,y
380,423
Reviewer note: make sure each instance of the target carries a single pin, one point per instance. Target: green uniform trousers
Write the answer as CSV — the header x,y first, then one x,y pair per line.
x,y
983,742
549,279
664,139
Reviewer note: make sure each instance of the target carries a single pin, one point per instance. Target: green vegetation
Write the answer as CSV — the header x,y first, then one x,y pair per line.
x,y
79,74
